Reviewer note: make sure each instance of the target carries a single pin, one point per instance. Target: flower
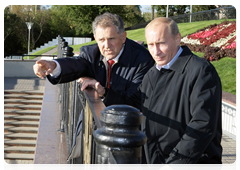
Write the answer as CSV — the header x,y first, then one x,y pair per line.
x,y
217,36
215,41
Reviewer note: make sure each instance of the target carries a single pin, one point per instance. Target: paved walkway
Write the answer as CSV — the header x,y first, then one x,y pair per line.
x,y
51,52
229,144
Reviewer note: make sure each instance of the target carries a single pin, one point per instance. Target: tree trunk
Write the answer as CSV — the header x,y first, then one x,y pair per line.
x,y
152,6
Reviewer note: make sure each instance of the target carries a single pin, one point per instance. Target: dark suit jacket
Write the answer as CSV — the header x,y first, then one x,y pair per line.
x,y
126,75
182,112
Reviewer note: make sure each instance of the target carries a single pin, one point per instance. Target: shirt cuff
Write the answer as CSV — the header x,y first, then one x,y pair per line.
x,y
57,71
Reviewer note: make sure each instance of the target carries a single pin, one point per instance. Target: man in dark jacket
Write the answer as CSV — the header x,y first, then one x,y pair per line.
x,y
131,62
181,101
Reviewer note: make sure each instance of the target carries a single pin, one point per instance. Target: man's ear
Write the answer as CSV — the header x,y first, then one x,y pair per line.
x,y
178,38
124,36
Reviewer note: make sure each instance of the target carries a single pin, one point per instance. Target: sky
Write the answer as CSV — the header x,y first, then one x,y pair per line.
x,y
146,8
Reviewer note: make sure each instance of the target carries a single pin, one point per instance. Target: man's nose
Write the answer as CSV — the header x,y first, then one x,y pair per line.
x,y
107,44
157,50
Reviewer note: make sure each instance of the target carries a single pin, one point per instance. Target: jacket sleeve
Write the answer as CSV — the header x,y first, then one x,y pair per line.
x,y
72,68
205,110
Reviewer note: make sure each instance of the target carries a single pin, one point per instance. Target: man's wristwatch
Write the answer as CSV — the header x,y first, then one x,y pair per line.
x,y
105,94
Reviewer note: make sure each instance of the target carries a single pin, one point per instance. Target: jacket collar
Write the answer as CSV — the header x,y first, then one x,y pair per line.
x,y
181,62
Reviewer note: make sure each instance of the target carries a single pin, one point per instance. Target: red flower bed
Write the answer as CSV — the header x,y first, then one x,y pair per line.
x,y
216,41
230,44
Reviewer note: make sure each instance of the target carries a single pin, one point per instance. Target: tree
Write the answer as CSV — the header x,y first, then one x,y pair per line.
x,y
13,31
10,21
16,33
133,15
41,18
197,8
153,8
66,20
172,10
80,17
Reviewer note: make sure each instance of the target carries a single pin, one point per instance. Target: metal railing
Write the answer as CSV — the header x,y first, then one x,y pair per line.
x,y
74,102
21,57
213,14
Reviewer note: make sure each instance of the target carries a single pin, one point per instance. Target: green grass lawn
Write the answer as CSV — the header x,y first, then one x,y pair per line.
x,y
189,28
226,67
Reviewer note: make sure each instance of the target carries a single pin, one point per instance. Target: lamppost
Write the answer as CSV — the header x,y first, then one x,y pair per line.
x,y
29,25
190,13
167,12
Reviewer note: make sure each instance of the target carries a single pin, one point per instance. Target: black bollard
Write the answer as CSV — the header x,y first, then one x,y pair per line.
x,y
119,140
68,52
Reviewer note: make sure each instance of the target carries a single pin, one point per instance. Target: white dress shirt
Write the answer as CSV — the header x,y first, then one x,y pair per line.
x,y
168,65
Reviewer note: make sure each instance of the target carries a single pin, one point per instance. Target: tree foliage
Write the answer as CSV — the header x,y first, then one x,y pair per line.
x,y
10,21
66,20
132,15
197,8
172,10
180,9
80,17
12,26
15,20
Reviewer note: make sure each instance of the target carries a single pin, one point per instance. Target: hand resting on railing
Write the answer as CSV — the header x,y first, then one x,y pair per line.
x,y
90,82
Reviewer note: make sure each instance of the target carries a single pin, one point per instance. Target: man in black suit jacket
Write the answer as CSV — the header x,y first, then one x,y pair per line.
x,y
132,61
180,100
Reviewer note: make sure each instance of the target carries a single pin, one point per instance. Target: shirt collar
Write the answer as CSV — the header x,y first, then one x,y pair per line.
x,y
168,65
117,57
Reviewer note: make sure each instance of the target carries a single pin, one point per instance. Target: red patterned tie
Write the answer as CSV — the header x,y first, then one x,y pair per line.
x,y
110,63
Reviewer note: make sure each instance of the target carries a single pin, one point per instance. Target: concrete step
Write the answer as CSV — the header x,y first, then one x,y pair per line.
x,y
22,101
22,112
25,92
23,136
19,142
22,107
14,129
19,156
22,117
17,123
23,96
19,149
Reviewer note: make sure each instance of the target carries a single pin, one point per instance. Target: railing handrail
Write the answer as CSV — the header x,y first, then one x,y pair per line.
x,y
95,103
26,55
199,15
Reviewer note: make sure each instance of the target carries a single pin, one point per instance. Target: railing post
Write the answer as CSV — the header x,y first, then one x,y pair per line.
x,y
66,51
119,140
59,47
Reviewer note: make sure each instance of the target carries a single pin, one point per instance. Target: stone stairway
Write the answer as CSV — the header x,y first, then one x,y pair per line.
x,y
21,119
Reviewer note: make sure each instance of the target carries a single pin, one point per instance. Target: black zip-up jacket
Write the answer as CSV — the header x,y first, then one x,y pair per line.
x,y
126,74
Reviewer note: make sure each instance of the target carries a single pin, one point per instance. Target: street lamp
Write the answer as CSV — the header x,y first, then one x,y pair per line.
x,y
167,12
190,13
29,25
